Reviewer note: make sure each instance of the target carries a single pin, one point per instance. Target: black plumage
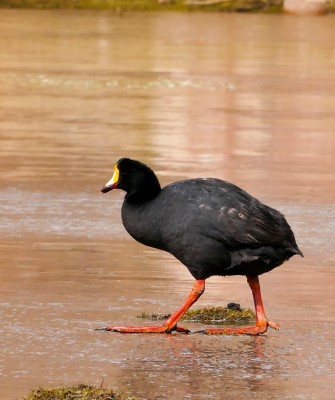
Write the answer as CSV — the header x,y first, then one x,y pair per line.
x,y
212,226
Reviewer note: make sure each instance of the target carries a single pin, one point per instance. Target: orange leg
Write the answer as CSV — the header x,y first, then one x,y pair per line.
x,y
262,323
170,324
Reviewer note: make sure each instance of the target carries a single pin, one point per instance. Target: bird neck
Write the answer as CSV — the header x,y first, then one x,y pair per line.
x,y
146,190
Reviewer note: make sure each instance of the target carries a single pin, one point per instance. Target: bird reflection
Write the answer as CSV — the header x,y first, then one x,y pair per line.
x,y
203,368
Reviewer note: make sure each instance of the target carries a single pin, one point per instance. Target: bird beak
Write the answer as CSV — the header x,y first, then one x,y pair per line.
x,y
112,184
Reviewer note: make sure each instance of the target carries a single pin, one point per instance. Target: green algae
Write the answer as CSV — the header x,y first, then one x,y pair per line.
x,y
232,314
82,392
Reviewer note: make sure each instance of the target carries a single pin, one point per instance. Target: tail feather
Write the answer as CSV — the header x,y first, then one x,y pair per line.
x,y
297,251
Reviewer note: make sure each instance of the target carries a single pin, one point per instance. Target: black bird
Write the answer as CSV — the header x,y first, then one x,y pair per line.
x,y
212,226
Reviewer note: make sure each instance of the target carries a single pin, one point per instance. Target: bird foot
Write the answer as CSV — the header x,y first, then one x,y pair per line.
x,y
258,329
145,329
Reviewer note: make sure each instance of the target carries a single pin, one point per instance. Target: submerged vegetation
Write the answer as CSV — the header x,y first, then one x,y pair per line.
x,y
78,392
232,314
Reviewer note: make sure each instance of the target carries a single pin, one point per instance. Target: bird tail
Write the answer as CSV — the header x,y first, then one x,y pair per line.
x,y
297,251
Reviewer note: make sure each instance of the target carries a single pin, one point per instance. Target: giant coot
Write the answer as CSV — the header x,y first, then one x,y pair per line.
x,y
213,227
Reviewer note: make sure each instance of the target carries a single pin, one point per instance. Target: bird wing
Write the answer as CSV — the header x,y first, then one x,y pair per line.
x,y
226,213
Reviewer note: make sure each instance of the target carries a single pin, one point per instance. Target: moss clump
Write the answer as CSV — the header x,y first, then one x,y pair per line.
x,y
222,315
78,392
232,314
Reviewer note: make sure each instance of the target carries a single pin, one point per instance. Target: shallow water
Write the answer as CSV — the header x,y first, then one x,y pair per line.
x,y
250,100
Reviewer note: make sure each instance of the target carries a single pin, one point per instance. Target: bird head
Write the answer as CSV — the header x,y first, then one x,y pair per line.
x,y
135,178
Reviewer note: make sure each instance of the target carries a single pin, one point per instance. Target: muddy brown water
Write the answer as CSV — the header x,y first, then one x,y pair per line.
x,y
246,98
